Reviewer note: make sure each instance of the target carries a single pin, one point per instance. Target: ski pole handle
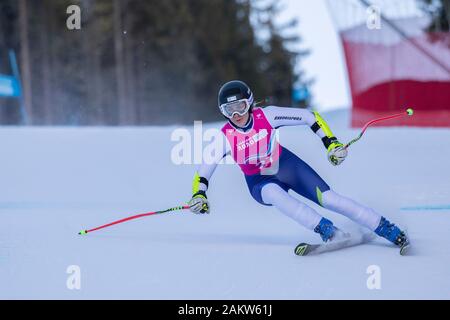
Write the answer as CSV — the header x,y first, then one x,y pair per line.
x,y
84,232
408,112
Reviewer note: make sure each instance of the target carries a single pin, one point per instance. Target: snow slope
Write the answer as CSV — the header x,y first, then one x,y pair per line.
x,y
57,181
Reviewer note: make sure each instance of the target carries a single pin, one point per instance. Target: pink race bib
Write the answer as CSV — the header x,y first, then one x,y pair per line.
x,y
256,151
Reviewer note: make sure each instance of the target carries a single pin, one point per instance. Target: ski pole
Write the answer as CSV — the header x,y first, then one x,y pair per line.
x,y
132,218
409,112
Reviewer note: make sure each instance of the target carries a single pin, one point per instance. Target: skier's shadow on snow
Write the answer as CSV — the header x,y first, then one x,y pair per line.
x,y
234,239
242,239
212,238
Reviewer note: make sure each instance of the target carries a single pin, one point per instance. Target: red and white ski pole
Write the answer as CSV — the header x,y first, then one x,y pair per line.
x,y
185,207
408,112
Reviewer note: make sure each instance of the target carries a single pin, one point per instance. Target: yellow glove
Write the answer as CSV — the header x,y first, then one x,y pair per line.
x,y
199,203
337,153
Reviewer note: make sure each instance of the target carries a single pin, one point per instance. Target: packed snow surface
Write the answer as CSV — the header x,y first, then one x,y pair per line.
x,y
57,181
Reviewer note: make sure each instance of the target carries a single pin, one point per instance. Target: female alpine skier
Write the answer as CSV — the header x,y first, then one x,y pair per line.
x,y
271,170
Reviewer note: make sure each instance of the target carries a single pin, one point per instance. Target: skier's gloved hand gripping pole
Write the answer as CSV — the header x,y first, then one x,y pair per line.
x,y
199,202
336,151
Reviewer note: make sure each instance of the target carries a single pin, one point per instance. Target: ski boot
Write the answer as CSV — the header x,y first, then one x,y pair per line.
x,y
328,232
392,233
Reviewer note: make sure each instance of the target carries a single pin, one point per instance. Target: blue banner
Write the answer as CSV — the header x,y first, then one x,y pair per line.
x,y
301,94
9,87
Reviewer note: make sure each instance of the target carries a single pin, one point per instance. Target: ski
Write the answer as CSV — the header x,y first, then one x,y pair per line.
x,y
404,249
405,246
347,241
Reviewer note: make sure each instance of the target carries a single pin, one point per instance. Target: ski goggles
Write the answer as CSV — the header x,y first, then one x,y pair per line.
x,y
240,107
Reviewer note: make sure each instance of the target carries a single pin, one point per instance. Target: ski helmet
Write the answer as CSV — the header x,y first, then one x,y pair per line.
x,y
235,97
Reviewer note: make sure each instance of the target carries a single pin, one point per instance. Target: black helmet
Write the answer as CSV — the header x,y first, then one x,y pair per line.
x,y
234,91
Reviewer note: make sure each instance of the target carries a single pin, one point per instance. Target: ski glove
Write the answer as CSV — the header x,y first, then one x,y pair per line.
x,y
337,153
199,203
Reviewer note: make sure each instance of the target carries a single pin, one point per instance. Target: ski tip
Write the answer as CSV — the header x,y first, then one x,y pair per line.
x,y
404,250
406,245
301,249
410,111
81,233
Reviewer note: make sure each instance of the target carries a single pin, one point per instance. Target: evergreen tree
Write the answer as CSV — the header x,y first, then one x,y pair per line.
x,y
141,62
